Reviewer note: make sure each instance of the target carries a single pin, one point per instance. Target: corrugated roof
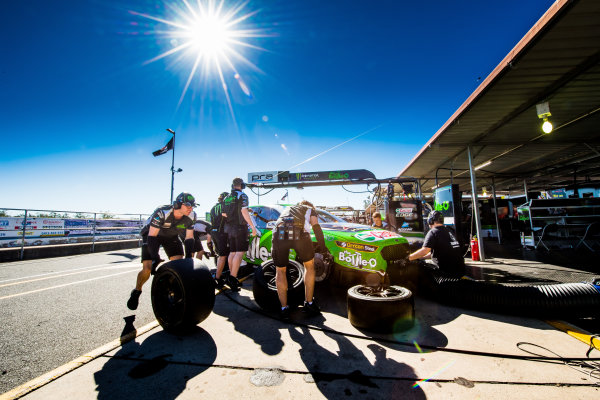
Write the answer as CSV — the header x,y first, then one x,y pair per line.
x,y
557,61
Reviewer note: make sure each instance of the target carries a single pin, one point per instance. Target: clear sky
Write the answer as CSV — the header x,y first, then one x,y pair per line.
x,y
88,88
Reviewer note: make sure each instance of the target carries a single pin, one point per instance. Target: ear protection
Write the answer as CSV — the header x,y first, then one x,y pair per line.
x,y
435,216
243,185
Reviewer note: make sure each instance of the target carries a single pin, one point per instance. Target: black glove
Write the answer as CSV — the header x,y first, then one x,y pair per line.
x,y
327,257
155,264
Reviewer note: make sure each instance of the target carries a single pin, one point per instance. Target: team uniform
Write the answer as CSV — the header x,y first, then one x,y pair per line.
x,y
236,227
201,230
292,231
445,251
171,231
217,234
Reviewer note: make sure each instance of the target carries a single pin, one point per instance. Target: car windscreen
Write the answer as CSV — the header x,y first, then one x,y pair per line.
x,y
325,217
263,214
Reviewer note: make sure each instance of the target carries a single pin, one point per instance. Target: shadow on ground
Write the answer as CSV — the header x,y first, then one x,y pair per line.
x,y
151,371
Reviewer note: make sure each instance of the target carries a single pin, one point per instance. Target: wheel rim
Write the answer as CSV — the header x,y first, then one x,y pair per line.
x,y
379,292
169,299
292,273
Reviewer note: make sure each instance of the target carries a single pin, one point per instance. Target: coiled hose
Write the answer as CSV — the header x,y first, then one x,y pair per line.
x,y
552,300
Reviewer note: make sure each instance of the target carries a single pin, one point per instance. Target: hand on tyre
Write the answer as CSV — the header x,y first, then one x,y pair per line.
x,y
327,257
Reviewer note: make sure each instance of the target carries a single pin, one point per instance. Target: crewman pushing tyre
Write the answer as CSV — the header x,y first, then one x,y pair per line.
x,y
164,228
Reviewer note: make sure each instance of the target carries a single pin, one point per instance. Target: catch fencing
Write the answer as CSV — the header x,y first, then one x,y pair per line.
x,y
27,227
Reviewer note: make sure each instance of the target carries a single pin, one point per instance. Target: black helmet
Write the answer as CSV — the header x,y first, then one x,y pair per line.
x,y
222,196
184,199
435,216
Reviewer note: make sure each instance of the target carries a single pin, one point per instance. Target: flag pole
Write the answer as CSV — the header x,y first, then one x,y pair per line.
x,y
172,164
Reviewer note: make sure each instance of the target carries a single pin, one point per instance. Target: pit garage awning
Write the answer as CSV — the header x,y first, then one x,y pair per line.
x,y
558,62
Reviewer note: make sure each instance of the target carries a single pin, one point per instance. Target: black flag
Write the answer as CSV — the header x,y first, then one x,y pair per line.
x,y
164,149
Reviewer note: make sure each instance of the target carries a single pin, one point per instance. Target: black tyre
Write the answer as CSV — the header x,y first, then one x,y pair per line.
x,y
264,287
323,268
381,309
183,294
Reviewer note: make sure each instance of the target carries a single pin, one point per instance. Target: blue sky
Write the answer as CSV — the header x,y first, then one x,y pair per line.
x,y
82,108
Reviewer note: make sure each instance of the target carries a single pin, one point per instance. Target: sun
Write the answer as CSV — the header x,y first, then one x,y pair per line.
x,y
211,35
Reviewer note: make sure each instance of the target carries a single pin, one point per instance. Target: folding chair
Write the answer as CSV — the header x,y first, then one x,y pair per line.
x,y
590,237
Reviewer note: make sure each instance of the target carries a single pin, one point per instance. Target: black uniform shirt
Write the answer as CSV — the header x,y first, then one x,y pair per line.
x,y
163,219
445,250
301,215
233,207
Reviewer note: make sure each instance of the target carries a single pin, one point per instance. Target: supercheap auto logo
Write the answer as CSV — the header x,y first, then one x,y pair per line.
x,y
356,246
373,236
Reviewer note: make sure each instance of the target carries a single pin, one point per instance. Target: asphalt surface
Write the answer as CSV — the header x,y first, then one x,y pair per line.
x,y
54,310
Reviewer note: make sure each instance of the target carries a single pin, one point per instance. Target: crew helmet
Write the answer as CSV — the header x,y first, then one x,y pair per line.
x,y
184,198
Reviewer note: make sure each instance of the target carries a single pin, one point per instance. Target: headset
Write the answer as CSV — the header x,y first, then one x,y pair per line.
x,y
435,216
243,185
184,198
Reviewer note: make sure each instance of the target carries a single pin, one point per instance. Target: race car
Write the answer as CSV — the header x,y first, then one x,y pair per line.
x,y
361,254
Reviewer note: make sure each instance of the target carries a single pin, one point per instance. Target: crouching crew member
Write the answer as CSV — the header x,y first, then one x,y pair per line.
x,y
442,246
292,231
237,220
164,228
202,231
219,238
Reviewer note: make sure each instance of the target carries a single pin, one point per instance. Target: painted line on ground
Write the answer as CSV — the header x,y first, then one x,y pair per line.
x,y
578,333
48,377
65,284
66,270
112,266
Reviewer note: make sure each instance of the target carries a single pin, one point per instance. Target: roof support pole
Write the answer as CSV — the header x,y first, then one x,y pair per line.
x,y
496,211
525,189
475,205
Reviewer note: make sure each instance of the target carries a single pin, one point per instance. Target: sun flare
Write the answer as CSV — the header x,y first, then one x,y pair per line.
x,y
211,36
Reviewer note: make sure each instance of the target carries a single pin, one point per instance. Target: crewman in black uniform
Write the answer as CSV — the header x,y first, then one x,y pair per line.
x,y
163,228
292,231
237,220
442,246
202,231
219,238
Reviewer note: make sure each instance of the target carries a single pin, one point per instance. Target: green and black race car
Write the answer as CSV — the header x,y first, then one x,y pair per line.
x,y
360,253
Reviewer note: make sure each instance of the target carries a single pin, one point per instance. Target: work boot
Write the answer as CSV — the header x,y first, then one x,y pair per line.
x,y
284,314
134,299
234,284
311,308
220,282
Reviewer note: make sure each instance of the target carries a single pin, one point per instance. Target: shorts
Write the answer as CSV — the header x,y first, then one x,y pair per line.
x,y
198,241
221,243
237,238
171,244
305,250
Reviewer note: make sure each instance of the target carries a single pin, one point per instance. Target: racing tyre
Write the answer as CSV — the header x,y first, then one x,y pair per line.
x,y
183,294
264,287
385,309
323,268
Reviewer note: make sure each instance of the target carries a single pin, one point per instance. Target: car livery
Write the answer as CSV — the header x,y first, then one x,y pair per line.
x,y
355,248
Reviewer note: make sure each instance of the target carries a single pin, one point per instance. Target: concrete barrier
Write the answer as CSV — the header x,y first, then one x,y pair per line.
x,y
33,252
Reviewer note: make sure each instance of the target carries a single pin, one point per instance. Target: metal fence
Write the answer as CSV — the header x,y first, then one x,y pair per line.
x,y
27,227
